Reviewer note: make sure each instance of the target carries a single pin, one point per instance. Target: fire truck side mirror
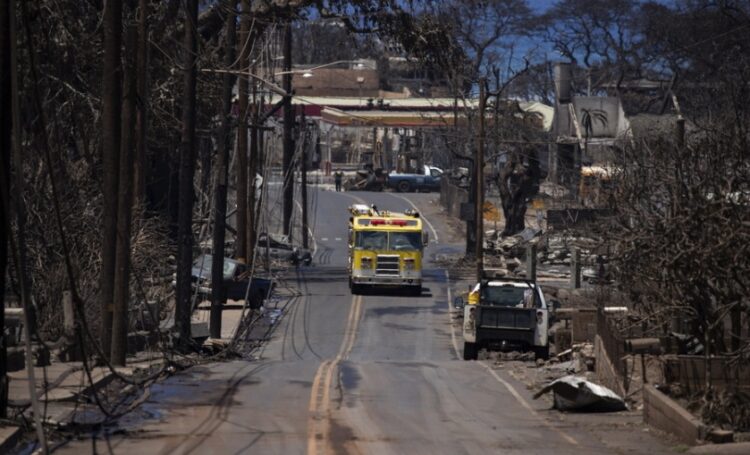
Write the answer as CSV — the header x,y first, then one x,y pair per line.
x,y
425,239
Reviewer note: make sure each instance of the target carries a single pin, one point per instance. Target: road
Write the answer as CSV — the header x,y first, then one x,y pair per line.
x,y
373,374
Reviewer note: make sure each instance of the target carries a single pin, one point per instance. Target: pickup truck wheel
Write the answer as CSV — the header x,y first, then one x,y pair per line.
x,y
541,352
404,186
470,351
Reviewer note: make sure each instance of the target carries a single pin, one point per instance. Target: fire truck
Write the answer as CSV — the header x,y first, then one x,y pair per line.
x,y
385,249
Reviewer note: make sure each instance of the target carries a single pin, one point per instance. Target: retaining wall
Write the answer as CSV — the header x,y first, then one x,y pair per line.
x,y
663,413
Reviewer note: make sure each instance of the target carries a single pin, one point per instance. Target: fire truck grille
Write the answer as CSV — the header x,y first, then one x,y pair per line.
x,y
387,265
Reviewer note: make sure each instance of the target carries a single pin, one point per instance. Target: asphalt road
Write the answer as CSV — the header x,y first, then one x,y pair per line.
x,y
373,374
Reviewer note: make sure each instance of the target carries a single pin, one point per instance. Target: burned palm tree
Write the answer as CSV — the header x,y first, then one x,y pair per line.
x,y
588,118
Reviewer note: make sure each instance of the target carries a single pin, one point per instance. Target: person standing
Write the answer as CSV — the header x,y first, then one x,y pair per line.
x,y
337,177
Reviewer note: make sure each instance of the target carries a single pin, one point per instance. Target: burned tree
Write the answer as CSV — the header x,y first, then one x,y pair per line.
x,y
517,182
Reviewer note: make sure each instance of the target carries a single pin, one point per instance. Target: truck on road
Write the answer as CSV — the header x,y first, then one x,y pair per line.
x,y
385,249
429,180
505,314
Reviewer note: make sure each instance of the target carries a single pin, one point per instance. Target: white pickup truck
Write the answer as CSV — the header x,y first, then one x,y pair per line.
x,y
505,314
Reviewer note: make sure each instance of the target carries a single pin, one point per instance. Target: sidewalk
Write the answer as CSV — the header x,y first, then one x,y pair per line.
x,y
64,389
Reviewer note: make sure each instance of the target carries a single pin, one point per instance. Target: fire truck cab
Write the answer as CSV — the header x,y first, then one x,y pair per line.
x,y
385,249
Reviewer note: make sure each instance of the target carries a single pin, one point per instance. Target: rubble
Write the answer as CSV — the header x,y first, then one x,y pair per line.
x,y
366,179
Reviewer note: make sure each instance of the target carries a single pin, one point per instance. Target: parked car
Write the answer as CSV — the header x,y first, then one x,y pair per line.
x,y
429,180
278,246
236,280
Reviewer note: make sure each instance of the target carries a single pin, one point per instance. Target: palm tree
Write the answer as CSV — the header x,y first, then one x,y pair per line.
x,y
588,118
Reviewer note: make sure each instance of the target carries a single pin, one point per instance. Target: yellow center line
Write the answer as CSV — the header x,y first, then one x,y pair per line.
x,y
318,425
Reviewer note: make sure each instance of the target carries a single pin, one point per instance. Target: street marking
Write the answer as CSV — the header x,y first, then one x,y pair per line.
x,y
432,228
318,427
324,239
338,239
450,312
521,400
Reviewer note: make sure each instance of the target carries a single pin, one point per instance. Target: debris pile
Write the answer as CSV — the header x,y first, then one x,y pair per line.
x,y
366,179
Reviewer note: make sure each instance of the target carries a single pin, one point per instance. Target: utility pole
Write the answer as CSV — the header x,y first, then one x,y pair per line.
x,y
241,170
183,307
111,98
303,171
121,295
479,176
288,165
6,129
220,193
253,170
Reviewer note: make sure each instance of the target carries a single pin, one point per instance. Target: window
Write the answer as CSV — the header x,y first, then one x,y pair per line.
x,y
435,173
372,240
509,296
405,241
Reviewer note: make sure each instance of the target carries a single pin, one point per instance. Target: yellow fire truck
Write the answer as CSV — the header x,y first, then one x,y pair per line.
x,y
385,249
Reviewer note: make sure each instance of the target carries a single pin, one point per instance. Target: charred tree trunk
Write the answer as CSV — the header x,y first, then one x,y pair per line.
x,y
517,183
183,308
241,171
111,96
125,202
220,191
141,161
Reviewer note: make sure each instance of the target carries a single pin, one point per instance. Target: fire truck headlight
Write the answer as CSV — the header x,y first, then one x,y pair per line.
x,y
409,263
367,262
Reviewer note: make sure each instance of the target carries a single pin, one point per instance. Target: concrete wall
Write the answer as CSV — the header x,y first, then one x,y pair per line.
x,y
605,372
663,413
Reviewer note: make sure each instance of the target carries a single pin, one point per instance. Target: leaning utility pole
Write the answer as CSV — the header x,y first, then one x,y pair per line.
x,y
252,218
220,191
288,165
479,177
303,171
183,307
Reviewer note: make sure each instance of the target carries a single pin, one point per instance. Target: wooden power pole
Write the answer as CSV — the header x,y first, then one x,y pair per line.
x,y
6,122
288,159
479,177
183,307
220,191
303,171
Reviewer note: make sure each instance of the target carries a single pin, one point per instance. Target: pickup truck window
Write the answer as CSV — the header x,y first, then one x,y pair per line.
x,y
508,296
